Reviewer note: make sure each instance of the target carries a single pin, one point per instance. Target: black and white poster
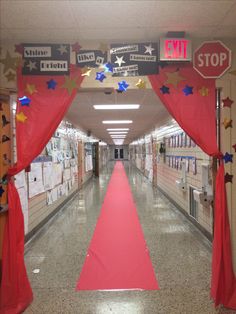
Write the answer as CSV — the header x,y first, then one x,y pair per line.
x,y
134,59
46,59
91,58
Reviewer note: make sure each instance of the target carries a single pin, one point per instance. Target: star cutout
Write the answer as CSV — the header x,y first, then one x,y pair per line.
x,y
227,102
10,63
228,177
188,90
24,101
234,147
19,48
228,157
108,67
32,65
100,76
227,123
165,90
5,138
21,117
69,84
62,49
174,78
141,84
103,48
30,88
86,71
10,76
1,191
204,91
119,61
51,84
149,49
4,121
122,86
76,47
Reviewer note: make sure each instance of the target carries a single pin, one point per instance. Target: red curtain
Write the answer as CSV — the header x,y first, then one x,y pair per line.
x,y
190,99
38,115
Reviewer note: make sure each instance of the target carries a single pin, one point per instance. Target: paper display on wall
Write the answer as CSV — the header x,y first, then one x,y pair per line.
x,y
20,179
36,180
88,163
48,175
66,174
57,174
24,205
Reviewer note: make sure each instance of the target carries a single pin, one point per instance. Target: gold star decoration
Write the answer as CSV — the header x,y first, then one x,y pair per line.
x,y
141,84
204,91
69,84
21,117
30,88
227,123
10,63
85,71
233,72
10,76
103,47
174,78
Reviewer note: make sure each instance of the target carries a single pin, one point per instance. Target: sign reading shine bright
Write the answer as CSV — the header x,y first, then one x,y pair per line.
x,y
175,49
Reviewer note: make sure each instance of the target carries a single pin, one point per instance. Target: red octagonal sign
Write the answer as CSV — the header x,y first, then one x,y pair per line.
x,y
212,59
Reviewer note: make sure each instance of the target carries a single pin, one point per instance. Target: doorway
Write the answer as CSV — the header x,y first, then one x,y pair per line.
x,y
119,153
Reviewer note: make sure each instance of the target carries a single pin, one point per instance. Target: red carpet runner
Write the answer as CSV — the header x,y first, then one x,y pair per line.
x,y
118,257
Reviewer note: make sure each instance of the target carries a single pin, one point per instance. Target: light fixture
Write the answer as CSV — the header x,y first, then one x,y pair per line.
x,y
118,132
118,129
116,107
118,136
118,142
117,121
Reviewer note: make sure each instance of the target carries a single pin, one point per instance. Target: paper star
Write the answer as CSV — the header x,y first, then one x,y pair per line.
x,y
1,191
5,138
141,84
234,147
204,91
10,76
30,88
149,49
233,72
120,60
165,90
123,86
21,117
188,90
227,123
62,49
86,71
24,101
174,78
19,48
10,63
103,48
69,84
4,121
108,67
227,102
76,47
32,65
51,84
228,177
228,157
100,76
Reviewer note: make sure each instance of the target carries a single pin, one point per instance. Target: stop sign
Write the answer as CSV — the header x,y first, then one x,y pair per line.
x,y
212,59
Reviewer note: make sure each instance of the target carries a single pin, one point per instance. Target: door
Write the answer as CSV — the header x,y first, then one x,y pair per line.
x,y
116,153
96,159
121,153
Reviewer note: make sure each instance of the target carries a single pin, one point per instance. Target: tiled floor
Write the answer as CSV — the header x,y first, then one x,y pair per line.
x,y
181,257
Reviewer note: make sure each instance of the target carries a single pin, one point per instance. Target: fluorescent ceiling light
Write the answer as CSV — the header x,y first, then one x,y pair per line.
x,y
118,142
118,132
118,136
119,129
115,107
117,121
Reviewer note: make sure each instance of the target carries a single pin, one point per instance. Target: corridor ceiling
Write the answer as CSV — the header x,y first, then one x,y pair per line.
x,y
114,22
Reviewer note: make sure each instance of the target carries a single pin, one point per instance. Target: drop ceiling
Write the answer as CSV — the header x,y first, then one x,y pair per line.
x,y
109,22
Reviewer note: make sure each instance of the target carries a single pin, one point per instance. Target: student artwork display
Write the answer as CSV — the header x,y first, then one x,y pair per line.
x,y
181,140
175,162
36,180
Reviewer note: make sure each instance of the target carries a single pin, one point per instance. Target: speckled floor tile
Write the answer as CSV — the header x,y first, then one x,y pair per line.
x,y
181,257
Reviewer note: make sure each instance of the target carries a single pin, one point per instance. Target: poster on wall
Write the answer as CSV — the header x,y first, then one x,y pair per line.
x,y
134,59
46,59
91,58
36,180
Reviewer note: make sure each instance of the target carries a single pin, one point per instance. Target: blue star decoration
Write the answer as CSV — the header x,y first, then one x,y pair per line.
x,y
52,84
122,86
100,76
24,101
108,67
228,157
188,90
165,90
1,191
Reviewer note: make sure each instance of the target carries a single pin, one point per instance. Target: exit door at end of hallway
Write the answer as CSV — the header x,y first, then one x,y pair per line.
x,y
119,153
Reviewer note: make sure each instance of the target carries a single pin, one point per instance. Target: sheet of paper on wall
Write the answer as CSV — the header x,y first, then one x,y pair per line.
x,y
66,174
194,166
49,198
20,179
61,190
48,175
57,174
36,179
25,206
54,194
67,163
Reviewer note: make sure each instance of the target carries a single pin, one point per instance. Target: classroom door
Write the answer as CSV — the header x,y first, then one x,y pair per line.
x,y
96,159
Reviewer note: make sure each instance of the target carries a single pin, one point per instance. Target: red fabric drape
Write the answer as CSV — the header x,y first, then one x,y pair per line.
x,y
44,113
196,115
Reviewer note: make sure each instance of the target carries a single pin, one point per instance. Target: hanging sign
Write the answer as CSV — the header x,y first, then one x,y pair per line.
x,y
91,58
46,59
134,59
212,59
175,49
